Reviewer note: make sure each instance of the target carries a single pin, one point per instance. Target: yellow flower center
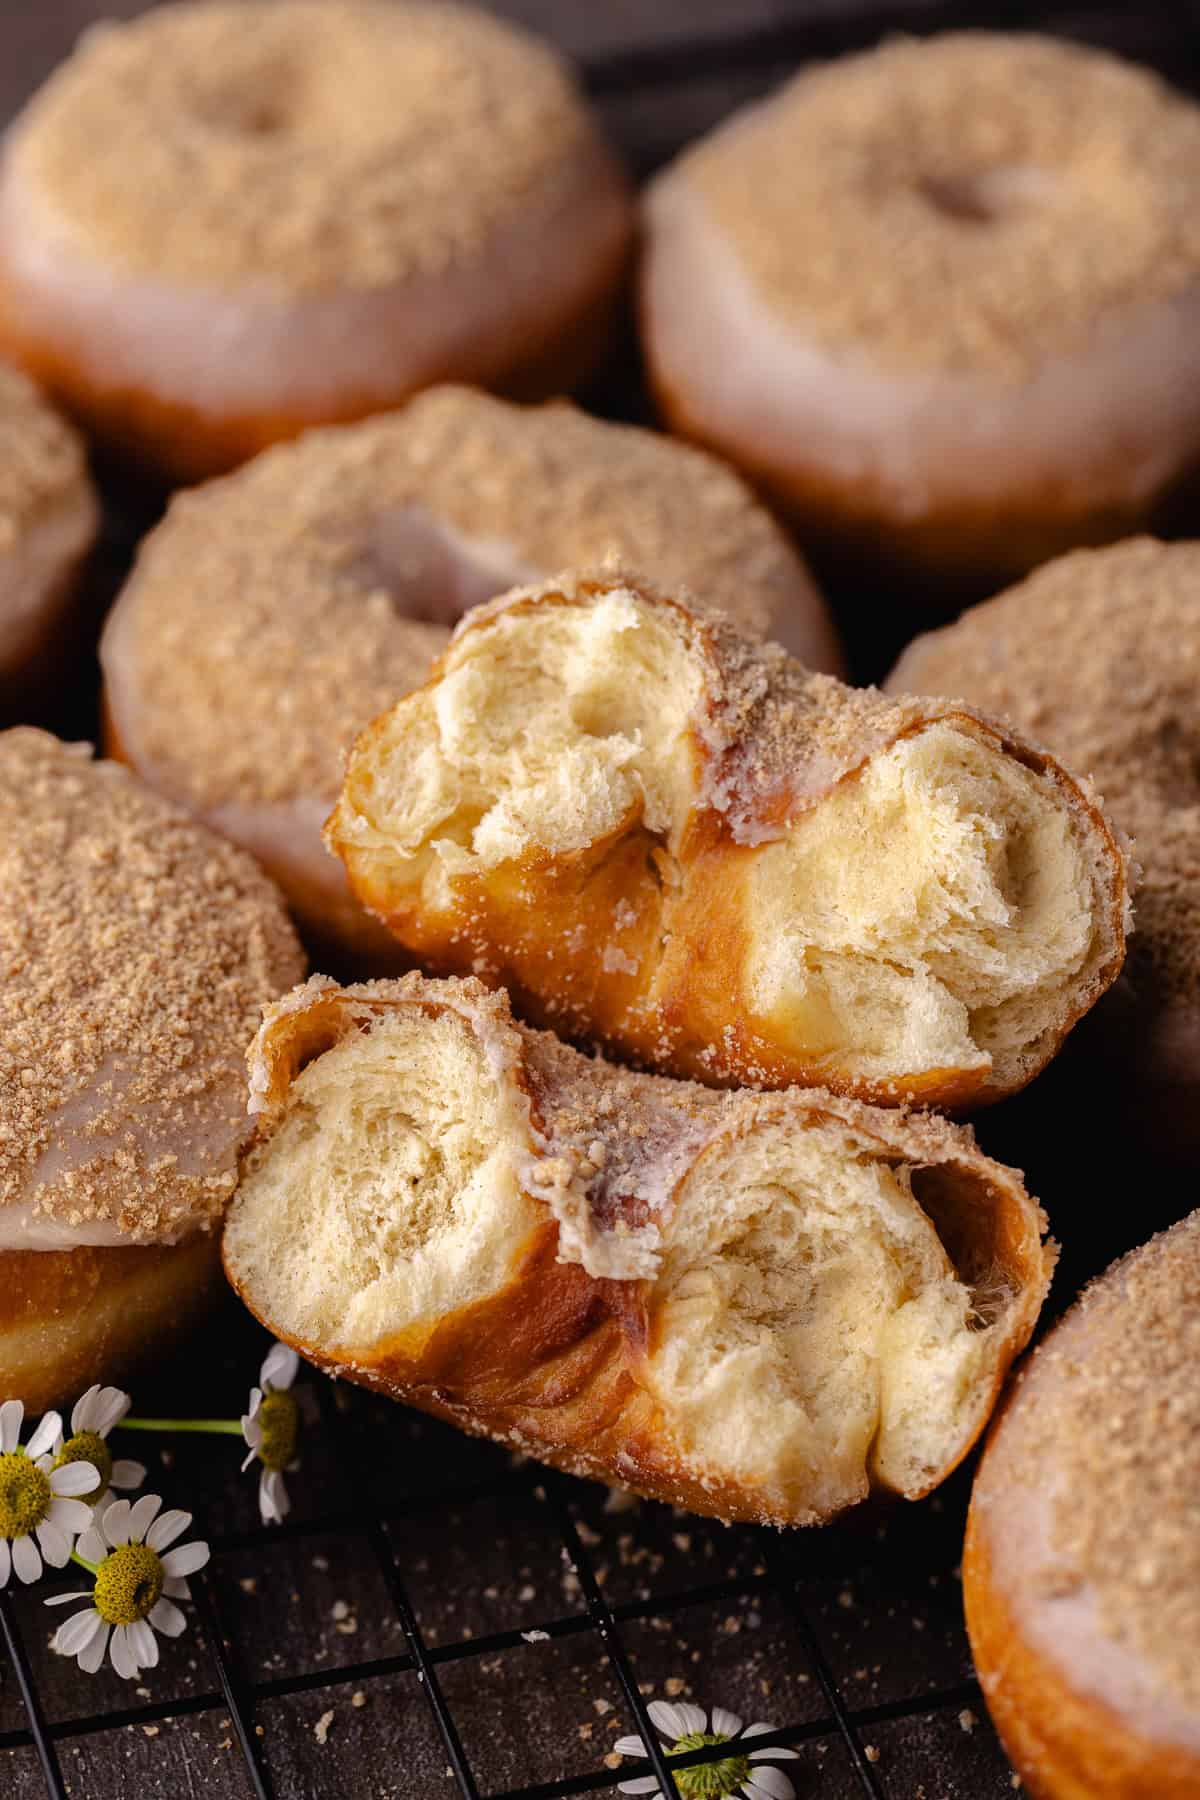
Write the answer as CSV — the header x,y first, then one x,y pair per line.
x,y
128,1584
714,1780
279,1417
88,1446
25,1495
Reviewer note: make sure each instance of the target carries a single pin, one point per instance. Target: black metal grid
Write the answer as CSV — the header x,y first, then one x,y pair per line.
x,y
655,94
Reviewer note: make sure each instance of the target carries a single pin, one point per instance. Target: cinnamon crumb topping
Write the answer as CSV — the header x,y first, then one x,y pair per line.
x,y
41,459
136,950
311,143
974,200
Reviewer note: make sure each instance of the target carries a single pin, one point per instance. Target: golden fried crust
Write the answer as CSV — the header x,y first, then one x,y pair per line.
x,y
554,1362
70,1317
668,986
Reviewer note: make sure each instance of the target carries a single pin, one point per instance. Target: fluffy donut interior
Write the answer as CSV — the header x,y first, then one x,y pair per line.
x,y
387,1196
809,1328
928,913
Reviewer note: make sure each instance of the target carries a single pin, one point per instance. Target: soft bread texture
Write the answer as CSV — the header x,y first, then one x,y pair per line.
x,y
1081,1574
1098,654
665,837
758,1306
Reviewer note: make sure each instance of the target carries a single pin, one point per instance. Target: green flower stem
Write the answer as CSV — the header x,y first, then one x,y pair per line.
x,y
230,1427
92,1568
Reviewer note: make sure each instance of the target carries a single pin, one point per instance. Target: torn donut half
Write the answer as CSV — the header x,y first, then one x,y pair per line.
x,y
760,1306
685,846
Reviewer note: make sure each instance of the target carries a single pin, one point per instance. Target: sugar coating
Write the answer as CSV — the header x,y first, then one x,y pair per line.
x,y
1114,1425
970,201
42,460
136,951
265,596
1098,655
314,144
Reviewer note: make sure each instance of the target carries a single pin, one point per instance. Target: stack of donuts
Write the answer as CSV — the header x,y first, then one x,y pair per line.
x,y
657,970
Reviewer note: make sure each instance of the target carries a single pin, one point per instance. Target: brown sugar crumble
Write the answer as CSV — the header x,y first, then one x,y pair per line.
x,y
1001,193
315,145
1098,655
42,460
136,951
278,594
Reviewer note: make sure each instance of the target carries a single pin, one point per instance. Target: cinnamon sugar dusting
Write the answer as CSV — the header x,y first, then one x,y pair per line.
x,y
136,950
1116,1420
1098,655
41,459
310,143
276,596
972,201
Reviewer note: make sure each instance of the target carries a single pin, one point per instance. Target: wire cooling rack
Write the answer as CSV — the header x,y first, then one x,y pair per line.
x,y
435,1618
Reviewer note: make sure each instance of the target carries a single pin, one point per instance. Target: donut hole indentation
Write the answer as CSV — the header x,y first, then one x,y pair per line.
x,y
428,571
984,197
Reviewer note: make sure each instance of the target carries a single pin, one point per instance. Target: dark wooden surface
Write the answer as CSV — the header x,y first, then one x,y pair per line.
x,y
881,1594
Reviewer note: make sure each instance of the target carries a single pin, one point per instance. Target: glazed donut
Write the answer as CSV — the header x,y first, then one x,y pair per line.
x,y
758,1306
276,612
1098,655
222,223
943,299
668,839
1081,1575
48,522
136,952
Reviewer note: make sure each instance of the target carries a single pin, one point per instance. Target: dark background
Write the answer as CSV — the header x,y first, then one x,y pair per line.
x,y
395,1598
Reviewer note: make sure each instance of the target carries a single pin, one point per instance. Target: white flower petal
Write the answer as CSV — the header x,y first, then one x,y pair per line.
x,y
11,1414
273,1502
54,1544
641,1784
141,1516
74,1478
767,1783
62,1599
167,1618
71,1516
186,1560
252,1427
43,1438
279,1366
115,1523
121,1653
91,1545
248,1458
668,1718
145,1644
177,1588
127,1474
90,1659
77,1632
694,1717
757,1729
111,1406
629,1746
5,1562
776,1751
166,1528
726,1724
25,1558
84,1411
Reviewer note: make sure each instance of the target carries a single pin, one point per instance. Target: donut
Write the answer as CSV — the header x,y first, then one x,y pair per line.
x,y
763,1306
137,950
683,846
1098,656
48,522
277,611
943,300
222,223
1081,1574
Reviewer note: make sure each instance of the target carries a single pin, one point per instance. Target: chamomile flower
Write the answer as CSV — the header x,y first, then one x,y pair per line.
x,y
271,1427
744,1771
40,1509
138,1580
93,1417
